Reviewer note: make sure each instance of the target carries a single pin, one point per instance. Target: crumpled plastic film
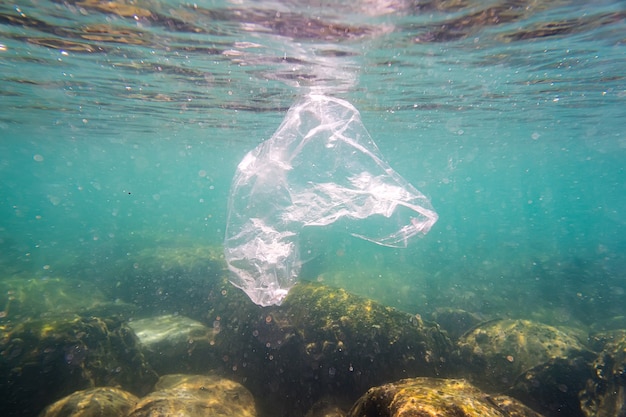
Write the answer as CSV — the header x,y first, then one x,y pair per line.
x,y
320,167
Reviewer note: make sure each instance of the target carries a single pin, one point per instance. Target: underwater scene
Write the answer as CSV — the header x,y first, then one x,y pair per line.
x,y
306,208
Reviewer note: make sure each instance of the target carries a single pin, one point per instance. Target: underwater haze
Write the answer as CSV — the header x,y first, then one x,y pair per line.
x,y
123,124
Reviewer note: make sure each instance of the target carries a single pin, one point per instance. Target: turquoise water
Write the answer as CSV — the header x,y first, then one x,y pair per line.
x,y
122,126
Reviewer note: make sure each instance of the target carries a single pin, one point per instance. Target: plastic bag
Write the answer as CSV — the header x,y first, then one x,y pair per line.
x,y
321,166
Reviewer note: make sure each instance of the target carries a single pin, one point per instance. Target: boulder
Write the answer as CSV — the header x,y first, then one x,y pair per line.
x,y
456,322
43,360
435,397
604,394
174,343
196,396
320,342
497,352
94,402
23,297
540,365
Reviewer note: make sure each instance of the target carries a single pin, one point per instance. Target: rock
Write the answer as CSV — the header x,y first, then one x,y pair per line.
x,y
496,353
552,387
331,342
604,394
455,322
320,342
328,407
174,343
22,297
609,323
171,279
354,341
434,397
95,402
196,395
42,360
540,365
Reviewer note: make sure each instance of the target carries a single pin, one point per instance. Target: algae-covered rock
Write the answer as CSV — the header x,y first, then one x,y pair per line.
x,y
541,365
352,339
552,387
496,353
94,402
324,341
22,297
320,342
174,343
196,396
434,397
42,360
455,322
170,279
328,407
604,394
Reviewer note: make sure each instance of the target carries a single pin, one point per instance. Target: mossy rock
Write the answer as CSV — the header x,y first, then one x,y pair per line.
x,y
553,387
496,353
328,407
168,258
42,360
604,394
174,343
22,297
358,335
320,342
196,395
170,279
456,322
94,402
434,397
542,366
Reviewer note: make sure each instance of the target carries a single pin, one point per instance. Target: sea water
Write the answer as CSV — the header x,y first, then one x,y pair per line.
x,y
121,129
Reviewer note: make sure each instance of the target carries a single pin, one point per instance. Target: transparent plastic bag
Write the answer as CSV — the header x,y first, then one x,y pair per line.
x,y
321,166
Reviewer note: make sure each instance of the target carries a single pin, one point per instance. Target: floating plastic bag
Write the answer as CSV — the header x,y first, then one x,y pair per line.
x,y
321,166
